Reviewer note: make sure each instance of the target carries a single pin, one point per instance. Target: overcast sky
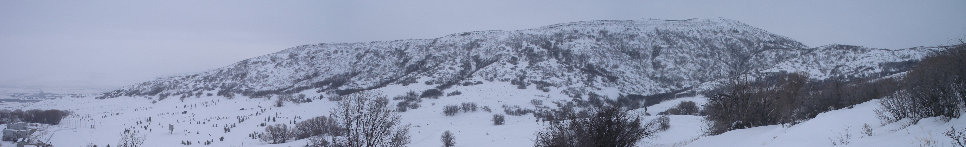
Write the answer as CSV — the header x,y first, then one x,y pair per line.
x,y
108,44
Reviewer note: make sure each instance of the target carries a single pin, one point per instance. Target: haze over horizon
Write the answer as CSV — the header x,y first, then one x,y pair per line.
x,y
108,44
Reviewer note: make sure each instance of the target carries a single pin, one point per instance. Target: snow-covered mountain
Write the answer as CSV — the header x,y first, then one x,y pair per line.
x,y
537,70
632,56
846,61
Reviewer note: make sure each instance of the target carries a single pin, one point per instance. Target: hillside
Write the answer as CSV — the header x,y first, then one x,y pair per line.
x,y
638,56
534,77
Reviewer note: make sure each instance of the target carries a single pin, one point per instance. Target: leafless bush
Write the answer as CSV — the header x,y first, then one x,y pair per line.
x,y
608,126
454,93
367,121
431,93
934,87
448,139
316,126
274,134
468,107
451,110
408,101
867,130
498,119
130,139
318,142
958,136
536,102
843,139
683,108
659,124
516,110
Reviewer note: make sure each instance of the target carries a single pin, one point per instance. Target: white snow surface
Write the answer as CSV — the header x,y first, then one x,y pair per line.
x,y
843,124
608,58
101,121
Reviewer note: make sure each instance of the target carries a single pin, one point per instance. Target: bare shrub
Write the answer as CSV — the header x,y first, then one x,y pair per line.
x,y
275,134
608,126
843,139
958,136
536,102
316,126
448,139
659,124
280,100
683,108
934,87
454,93
431,93
468,107
130,139
867,130
451,110
516,110
498,119
318,142
408,101
366,120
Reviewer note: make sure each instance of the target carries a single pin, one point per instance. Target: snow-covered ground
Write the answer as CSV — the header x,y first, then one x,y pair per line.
x,y
200,119
101,122
843,125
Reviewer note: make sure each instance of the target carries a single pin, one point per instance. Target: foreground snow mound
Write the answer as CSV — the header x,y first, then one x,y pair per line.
x,y
844,127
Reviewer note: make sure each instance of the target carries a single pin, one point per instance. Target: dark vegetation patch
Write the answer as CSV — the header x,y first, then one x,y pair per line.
x,y
936,86
51,117
787,98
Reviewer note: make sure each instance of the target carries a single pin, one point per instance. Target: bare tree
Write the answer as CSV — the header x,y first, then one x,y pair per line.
x,y
935,87
448,139
498,119
609,126
367,121
321,125
277,133
130,139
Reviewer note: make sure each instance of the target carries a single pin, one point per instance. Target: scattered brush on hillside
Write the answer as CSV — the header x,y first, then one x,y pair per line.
x,y
498,119
316,126
361,119
608,126
934,87
451,110
274,134
448,139
786,98
367,120
683,108
408,101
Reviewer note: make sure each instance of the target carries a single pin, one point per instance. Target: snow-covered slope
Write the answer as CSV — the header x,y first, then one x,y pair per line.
x,y
536,69
844,127
633,56
846,61
101,122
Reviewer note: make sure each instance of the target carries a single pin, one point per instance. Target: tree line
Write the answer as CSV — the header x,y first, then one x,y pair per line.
x,y
51,116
